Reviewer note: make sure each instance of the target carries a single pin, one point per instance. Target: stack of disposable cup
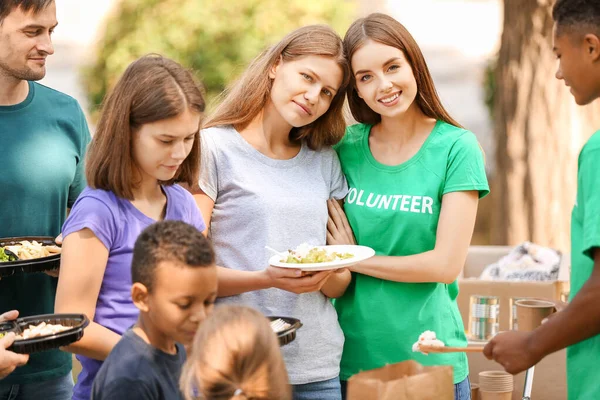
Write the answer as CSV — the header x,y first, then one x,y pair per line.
x,y
474,391
495,385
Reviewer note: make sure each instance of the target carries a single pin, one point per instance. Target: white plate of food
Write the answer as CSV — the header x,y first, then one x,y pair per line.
x,y
321,258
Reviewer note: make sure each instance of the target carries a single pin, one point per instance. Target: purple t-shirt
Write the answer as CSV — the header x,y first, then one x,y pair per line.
x,y
117,223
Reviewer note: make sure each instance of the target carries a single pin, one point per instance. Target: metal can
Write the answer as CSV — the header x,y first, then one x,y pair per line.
x,y
513,323
483,317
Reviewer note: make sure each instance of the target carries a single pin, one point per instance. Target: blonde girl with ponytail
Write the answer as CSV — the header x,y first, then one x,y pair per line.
x,y
235,356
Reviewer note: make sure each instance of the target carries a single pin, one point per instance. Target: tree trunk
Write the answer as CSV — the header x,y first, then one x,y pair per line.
x,y
539,131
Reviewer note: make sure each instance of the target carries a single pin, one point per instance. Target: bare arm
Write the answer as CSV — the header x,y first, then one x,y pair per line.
x,y
580,320
338,232
446,260
232,282
82,266
337,283
206,206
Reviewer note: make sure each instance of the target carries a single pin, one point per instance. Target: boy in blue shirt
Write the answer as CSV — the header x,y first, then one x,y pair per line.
x,y
174,286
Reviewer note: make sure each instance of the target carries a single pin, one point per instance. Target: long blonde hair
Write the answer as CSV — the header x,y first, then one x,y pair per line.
x,y
246,98
235,356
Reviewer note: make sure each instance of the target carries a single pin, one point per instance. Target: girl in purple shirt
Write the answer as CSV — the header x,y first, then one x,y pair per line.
x,y
147,139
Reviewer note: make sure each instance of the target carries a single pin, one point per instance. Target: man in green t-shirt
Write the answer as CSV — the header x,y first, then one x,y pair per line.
x,y
577,46
43,137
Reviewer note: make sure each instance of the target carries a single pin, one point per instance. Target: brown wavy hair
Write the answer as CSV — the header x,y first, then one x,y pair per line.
x,y
386,30
246,98
152,88
235,351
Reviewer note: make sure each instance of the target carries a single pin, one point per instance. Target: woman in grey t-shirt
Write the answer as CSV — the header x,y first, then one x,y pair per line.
x,y
267,171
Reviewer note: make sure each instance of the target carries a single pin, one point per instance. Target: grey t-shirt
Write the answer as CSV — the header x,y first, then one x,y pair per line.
x,y
281,203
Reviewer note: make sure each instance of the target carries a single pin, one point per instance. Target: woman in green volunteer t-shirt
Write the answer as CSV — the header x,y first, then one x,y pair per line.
x,y
415,179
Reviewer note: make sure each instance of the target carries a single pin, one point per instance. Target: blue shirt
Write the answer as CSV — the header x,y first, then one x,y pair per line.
x,y
135,370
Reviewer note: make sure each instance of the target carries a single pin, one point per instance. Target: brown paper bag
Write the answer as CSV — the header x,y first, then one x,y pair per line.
x,y
407,380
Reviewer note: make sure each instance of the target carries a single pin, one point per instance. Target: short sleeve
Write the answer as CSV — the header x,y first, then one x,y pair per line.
x,y
79,181
339,187
465,168
589,199
125,388
94,214
208,181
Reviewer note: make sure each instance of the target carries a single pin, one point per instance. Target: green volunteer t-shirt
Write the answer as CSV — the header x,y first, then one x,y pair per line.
x,y
43,141
395,210
582,364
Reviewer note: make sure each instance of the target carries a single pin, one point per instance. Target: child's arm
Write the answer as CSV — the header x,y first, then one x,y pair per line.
x,y
82,266
446,260
580,320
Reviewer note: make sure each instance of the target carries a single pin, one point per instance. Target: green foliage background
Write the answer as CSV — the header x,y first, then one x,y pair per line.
x,y
215,38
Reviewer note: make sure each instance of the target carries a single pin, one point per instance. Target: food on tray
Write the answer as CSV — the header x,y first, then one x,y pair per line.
x,y
5,257
427,338
279,325
30,250
306,254
42,329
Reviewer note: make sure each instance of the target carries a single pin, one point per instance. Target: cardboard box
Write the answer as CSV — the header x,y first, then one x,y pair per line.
x,y
480,257
549,381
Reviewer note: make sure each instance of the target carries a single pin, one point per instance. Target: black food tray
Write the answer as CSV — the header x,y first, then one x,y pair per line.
x,y
288,335
43,343
49,263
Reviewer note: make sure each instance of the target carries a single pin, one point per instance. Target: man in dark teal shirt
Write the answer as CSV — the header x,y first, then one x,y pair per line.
x,y
43,138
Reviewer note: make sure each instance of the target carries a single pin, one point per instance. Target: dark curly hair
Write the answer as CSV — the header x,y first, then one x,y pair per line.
x,y
577,14
172,241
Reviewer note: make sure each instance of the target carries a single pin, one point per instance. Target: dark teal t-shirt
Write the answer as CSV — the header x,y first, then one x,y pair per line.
x,y
43,142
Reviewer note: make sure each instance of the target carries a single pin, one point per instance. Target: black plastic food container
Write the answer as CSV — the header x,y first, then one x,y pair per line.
x,y
49,263
287,335
35,345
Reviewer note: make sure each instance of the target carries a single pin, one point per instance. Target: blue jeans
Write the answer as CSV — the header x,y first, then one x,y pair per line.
x,y
462,390
323,390
55,389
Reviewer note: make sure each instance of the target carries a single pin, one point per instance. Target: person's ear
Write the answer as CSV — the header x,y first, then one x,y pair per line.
x,y
139,295
592,46
275,67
